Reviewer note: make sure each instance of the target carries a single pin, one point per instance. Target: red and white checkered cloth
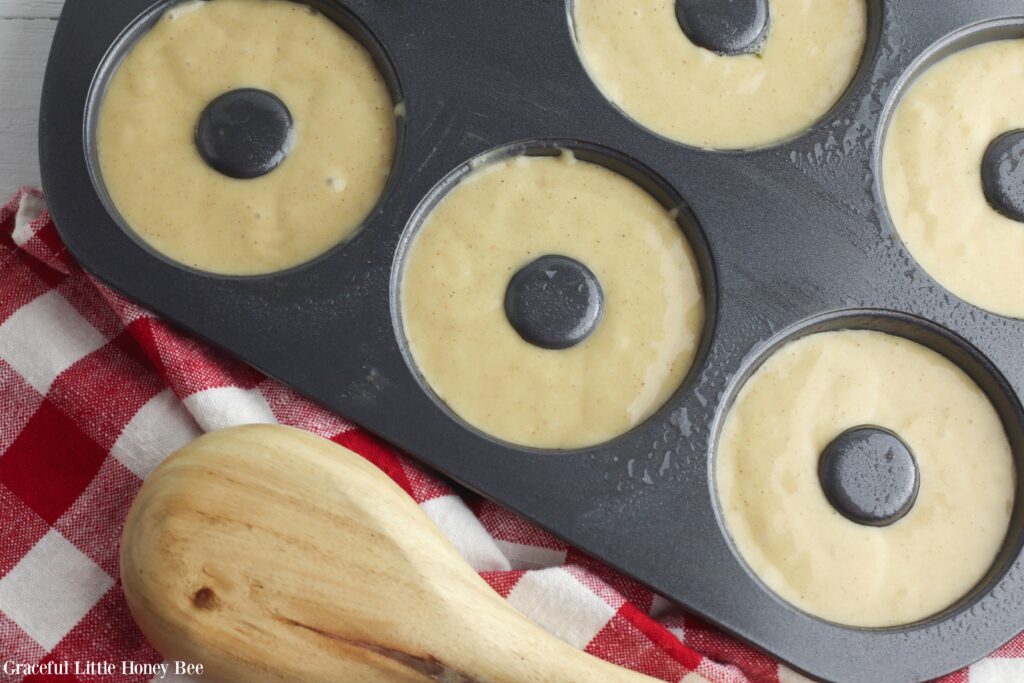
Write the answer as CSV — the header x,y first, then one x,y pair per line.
x,y
95,391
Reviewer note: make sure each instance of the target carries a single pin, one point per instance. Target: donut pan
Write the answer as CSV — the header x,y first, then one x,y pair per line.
x,y
791,239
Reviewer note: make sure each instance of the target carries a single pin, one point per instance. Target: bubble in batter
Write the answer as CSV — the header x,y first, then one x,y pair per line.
x,y
619,250
791,411
639,56
933,159
293,66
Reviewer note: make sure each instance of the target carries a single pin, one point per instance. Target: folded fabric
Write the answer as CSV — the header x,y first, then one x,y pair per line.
x,y
95,392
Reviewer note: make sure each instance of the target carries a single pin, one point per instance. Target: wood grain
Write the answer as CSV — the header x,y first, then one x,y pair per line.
x,y
269,554
26,31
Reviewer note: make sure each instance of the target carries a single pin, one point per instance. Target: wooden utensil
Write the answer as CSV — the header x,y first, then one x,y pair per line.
x,y
269,554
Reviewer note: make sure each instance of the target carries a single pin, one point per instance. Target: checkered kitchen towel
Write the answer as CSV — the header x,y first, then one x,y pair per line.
x,y
95,391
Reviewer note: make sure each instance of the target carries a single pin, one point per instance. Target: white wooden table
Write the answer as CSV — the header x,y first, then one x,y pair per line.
x,y
26,29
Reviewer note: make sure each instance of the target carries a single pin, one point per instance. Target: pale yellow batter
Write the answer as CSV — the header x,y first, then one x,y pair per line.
x,y
344,136
639,56
805,395
932,174
497,220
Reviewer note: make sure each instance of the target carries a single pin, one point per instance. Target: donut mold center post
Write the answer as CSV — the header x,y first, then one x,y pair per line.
x,y
869,475
244,133
733,27
554,302
1002,174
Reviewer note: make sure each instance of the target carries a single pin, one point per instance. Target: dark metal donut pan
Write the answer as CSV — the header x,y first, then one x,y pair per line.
x,y
790,239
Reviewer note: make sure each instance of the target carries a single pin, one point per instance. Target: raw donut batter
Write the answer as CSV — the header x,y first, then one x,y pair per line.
x,y
806,394
340,156
932,173
639,56
507,214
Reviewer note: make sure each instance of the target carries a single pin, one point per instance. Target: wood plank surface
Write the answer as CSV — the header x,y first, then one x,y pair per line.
x,y
26,30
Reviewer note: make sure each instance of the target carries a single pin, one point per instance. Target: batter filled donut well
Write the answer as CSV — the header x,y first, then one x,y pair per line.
x,y
639,56
800,400
934,152
331,169
505,216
